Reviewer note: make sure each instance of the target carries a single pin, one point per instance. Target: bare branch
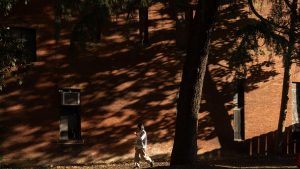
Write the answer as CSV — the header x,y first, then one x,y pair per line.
x,y
250,2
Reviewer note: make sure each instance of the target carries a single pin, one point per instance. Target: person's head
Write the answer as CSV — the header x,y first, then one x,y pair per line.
x,y
141,126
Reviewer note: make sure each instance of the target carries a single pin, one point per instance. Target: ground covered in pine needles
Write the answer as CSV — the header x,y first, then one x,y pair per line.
x,y
245,163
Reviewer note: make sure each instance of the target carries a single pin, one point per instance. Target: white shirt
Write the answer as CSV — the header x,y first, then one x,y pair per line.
x,y
141,140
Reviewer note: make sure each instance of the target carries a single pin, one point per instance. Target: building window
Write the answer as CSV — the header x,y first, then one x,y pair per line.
x,y
27,38
296,109
70,120
18,50
238,112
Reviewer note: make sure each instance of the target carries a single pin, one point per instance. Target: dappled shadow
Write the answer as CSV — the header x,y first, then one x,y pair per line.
x,y
216,114
122,83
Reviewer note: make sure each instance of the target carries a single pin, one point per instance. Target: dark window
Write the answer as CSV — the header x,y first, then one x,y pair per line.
x,y
238,115
296,107
70,98
298,99
27,37
70,120
239,95
70,127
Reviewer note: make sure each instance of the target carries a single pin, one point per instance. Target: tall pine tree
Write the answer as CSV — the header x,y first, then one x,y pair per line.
x,y
188,105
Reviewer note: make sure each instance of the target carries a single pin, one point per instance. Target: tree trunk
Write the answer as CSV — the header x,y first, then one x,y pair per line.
x,y
143,25
286,78
185,142
146,27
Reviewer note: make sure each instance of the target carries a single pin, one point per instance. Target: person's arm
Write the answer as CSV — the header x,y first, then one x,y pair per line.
x,y
142,135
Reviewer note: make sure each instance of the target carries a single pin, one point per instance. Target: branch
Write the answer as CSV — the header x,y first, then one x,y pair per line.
x,y
287,2
250,2
255,12
266,31
279,37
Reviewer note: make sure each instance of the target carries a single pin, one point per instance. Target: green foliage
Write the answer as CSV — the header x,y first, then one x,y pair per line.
x,y
68,8
93,15
81,8
6,6
106,7
13,57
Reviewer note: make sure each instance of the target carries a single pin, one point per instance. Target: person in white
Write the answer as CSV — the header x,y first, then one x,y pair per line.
x,y
140,147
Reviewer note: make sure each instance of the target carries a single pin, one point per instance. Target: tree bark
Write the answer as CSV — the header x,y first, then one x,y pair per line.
x,y
185,142
286,78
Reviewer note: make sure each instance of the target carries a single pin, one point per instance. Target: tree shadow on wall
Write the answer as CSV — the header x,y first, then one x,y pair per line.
x,y
121,85
220,79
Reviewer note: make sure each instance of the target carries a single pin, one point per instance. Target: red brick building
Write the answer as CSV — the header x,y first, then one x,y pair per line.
x,y
121,83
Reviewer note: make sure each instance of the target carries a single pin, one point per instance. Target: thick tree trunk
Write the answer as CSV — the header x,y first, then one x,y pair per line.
x,y
286,78
185,142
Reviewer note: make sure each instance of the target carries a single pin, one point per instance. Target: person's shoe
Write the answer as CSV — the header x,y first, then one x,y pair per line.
x,y
152,164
